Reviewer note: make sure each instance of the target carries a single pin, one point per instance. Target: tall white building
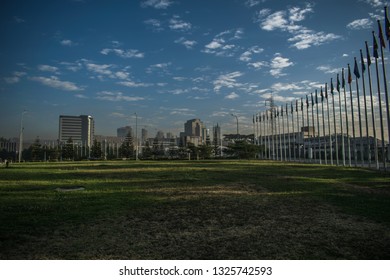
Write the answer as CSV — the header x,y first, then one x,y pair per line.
x,y
80,128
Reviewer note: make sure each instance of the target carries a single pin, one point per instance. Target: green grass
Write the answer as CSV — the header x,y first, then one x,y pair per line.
x,y
193,210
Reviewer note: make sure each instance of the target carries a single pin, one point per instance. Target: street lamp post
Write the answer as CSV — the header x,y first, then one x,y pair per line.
x,y
21,137
237,122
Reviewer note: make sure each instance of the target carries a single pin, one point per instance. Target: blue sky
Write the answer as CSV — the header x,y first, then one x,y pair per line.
x,y
169,60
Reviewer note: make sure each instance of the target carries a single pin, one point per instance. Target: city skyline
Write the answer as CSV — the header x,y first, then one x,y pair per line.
x,y
169,61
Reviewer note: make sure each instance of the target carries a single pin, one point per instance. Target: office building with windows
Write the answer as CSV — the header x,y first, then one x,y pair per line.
x,y
79,128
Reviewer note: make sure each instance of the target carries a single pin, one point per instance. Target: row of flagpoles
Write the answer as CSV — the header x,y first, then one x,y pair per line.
x,y
292,134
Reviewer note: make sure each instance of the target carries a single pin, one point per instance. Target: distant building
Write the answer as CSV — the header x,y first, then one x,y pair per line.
x,y
122,132
80,129
144,136
160,135
194,132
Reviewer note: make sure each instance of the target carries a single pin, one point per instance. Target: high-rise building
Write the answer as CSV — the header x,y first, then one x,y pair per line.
x,y
80,129
144,136
194,132
124,131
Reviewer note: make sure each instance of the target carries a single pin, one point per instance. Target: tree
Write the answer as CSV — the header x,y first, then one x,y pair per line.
x,y
126,150
147,151
36,150
96,150
243,150
68,149
205,151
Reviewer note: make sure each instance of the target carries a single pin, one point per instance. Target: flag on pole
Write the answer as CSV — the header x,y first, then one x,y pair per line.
x,y
356,70
338,83
322,95
342,78
368,55
292,108
316,98
331,86
307,101
296,105
326,90
362,59
387,25
301,104
312,100
375,45
381,38
286,109
349,75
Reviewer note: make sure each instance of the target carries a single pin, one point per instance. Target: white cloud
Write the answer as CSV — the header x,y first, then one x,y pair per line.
x,y
48,68
161,68
155,24
285,21
122,75
68,43
12,80
103,69
117,96
286,87
54,82
375,3
124,53
252,3
227,80
363,23
220,46
176,23
232,95
187,43
247,55
157,4
258,65
328,70
81,96
278,64
132,84
307,38
182,112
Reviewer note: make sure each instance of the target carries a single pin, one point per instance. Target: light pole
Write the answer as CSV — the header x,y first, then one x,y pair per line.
x,y
136,136
237,122
21,137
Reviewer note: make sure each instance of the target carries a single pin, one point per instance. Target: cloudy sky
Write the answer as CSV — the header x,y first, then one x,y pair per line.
x,y
169,60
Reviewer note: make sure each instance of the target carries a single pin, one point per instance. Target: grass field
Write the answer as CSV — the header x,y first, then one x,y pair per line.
x,y
193,210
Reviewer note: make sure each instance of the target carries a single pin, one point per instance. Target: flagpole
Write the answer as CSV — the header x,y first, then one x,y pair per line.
x,y
346,119
341,121
357,76
318,131
284,135
379,99
383,45
330,134
323,126
308,129
303,130
372,107
288,133
365,109
352,115
312,120
280,136
334,123
298,133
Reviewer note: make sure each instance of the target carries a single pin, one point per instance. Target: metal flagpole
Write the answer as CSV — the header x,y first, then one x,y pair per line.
x,y
352,116
365,110
309,155
303,130
372,107
379,99
293,130
341,121
346,119
21,137
313,135
330,134
334,123
383,45
284,135
288,132
357,75
318,129
298,134
280,136
323,126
